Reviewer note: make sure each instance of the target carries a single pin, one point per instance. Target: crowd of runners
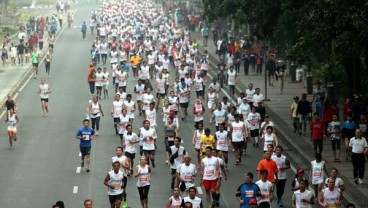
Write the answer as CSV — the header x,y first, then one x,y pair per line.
x,y
146,42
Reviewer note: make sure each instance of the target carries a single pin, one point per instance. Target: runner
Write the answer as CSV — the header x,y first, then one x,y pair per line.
x,y
12,121
303,197
10,104
269,138
186,172
222,146
219,115
253,120
114,180
130,138
129,106
247,192
147,98
175,200
85,135
267,164
210,173
282,164
35,56
123,122
334,131
212,97
266,189
151,115
125,166
174,155
198,111
223,174
339,183
231,80
143,174
148,136
44,91
48,58
196,141
116,110
295,185
139,90
105,82
194,201
316,174
160,89
238,135
91,78
207,140
99,82
184,93
95,112
331,196
171,131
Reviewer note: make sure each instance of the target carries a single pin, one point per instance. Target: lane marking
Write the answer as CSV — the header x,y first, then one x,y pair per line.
x,y
75,189
80,154
199,190
78,170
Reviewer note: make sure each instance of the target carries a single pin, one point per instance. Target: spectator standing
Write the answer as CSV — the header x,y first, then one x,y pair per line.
x,y
317,128
358,147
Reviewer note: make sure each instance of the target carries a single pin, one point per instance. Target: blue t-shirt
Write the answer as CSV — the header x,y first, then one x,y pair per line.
x,y
83,131
248,192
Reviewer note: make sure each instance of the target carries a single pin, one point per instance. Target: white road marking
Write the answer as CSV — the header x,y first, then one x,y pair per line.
x,y
199,190
75,189
78,170
80,154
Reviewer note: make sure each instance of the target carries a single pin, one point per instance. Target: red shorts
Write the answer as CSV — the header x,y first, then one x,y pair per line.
x,y
209,184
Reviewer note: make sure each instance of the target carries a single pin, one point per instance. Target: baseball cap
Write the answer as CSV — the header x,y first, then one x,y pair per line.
x,y
304,94
91,64
300,170
252,201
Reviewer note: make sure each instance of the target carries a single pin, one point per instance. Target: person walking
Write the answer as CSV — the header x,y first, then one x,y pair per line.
x,y
84,30
91,78
317,128
358,147
294,115
302,111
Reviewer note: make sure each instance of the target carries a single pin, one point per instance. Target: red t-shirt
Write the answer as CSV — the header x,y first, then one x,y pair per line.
x,y
317,130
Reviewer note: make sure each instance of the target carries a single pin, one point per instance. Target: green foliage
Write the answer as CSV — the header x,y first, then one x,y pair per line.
x,y
311,32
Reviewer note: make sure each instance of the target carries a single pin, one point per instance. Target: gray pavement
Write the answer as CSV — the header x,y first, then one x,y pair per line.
x,y
298,148
43,165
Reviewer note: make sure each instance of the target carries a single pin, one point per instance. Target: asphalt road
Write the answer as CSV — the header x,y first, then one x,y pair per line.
x,y
42,166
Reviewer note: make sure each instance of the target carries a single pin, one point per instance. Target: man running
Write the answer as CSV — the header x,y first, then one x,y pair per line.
x,y
175,156
44,91
130,138
125,166
114,180
35,61
85,135
210,173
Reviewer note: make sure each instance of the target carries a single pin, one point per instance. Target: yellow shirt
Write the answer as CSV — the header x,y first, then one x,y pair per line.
x,y
207,141
135,60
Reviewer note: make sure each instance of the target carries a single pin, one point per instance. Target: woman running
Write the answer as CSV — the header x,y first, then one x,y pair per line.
x,y
143,174
124,121
95,112
12,120
175,200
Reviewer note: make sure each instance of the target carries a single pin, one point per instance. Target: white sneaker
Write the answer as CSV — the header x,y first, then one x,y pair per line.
x,y
360,181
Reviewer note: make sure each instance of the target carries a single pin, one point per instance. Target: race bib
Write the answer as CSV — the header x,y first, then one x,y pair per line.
x,y
220,119
249,193
188,177
317,174
170,138
143,179
210,172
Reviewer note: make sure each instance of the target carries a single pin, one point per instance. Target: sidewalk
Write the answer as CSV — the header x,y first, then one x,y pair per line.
x,y
12,78
299,149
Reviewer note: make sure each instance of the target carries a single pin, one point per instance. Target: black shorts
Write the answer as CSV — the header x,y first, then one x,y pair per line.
x,y
125,181
116,120
238,145
99,87
184,105
35,64
199,93
130,155
45,100
149,152
114,198
254,133
232,87
85,151
173,171
162,95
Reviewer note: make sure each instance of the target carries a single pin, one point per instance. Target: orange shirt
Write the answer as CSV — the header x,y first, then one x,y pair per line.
x,y
270,166
135,60
90,79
